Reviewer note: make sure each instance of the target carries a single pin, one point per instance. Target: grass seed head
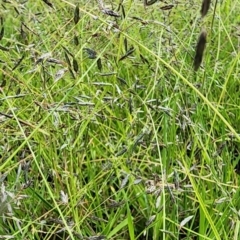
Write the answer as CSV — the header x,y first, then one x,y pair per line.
x,y
205,7
201,44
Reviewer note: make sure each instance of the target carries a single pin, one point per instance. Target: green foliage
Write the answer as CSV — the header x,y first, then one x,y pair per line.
x,y
106,130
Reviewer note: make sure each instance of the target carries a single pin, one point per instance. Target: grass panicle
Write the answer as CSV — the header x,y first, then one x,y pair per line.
x,y
205,7
201,45
106,133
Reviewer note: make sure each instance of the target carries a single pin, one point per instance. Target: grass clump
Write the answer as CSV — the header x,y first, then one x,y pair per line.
x,y
107,132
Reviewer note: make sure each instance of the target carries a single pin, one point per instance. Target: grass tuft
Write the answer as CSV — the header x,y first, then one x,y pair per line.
x,y
107,131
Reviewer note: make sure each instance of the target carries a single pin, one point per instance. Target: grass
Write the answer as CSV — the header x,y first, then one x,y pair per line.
x,y
106,130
